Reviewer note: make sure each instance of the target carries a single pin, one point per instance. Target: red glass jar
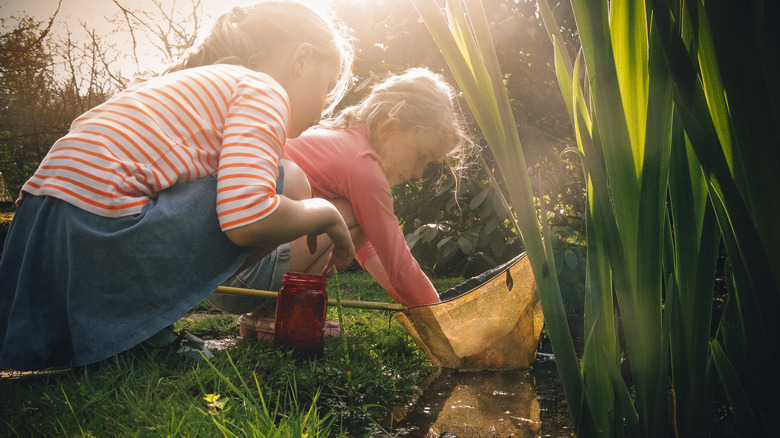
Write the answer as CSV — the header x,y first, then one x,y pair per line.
x,y
301,309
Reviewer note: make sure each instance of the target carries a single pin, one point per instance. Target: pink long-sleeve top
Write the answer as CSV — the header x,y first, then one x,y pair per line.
x,y
340,163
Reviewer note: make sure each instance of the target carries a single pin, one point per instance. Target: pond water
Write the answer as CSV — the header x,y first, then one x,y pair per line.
x,y
520,403
220,344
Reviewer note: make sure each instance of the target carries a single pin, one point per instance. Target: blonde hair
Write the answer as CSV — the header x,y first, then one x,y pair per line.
x,y
249,35
421,101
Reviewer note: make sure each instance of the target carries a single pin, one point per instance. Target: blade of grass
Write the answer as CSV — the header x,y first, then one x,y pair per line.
x,y
73,412
735,391
347,365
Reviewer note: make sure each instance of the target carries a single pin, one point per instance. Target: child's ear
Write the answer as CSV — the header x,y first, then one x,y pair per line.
x,y
388,128
302,58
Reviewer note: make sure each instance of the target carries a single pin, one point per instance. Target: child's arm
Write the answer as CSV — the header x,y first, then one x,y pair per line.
x,y
422,295
394,267
377,271
253,138
293,219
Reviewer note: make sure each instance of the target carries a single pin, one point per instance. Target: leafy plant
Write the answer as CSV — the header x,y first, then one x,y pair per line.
x,y
463,231
659,146
653,128
721,60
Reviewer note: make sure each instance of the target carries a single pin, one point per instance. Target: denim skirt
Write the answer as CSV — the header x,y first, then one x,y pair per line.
x,y
76,288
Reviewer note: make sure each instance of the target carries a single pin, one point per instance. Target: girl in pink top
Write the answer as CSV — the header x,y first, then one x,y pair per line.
x,y
406,122
158,195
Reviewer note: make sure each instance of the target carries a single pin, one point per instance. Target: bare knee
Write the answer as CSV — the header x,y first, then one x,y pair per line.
x,y
296,184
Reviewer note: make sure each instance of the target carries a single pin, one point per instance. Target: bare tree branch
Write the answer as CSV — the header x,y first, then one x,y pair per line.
x,y
127,13
168,29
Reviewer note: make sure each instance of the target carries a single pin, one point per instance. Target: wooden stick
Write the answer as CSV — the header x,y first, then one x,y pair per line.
x,y
368,305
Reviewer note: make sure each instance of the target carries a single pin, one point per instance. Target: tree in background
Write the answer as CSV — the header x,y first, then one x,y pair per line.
x,y
41,94
170,27
24,85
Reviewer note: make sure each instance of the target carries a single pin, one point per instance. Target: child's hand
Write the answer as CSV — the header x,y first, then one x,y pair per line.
x,y
338,259
293,219
343,250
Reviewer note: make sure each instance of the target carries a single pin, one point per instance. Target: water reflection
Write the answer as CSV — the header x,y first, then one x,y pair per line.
x,y
522,403
471,404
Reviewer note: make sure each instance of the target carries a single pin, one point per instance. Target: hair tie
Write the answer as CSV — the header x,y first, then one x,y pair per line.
x,y
393,111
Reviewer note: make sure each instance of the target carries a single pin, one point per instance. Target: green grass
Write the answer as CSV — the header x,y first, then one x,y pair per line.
x,y
250,390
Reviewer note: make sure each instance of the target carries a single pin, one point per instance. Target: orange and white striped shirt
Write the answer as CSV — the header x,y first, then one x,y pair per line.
x,y
178,127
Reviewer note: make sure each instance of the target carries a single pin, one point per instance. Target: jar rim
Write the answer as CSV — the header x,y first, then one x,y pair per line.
x,y
305,278
304,275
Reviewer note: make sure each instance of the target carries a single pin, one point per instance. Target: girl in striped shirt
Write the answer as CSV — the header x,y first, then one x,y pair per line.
x,y
158,195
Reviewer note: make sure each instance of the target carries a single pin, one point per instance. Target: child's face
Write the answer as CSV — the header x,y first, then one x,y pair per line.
x,y
308,95
408,154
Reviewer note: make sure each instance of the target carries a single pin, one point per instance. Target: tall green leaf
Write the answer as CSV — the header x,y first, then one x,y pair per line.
x,y
628,32
728,99
694,269
625,138
463,36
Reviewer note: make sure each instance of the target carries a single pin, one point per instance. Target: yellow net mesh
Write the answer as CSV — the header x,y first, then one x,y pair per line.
x,y
495,325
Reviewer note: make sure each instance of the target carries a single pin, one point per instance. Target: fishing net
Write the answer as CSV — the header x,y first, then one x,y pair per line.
x,y
492,321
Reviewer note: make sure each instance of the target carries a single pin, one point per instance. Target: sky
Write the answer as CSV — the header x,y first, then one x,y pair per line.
x,y
94,13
